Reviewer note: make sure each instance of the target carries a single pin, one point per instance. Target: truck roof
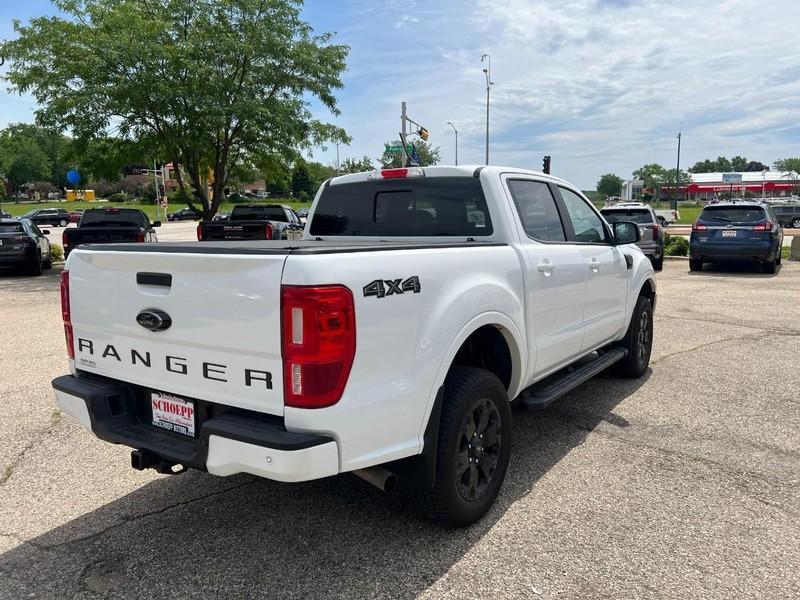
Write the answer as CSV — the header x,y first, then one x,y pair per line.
x,y
450,171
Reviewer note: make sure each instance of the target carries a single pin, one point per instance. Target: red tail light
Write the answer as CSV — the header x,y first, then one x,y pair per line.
x,y
199,232
65,241
66,316
655,231
400,173
763,227
140,236
699,227
268,232
319,343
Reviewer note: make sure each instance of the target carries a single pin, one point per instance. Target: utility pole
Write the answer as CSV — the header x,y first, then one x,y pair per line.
x,y
403,132
456,132
337,158
489,83
674,203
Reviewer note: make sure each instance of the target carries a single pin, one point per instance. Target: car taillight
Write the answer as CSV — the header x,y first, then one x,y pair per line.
x,y
66,316
655,231
199,233
318,342
699,227
65,239
268,232
763,227
140,236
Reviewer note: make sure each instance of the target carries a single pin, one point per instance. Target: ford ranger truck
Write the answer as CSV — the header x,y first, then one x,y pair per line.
x,y
389,342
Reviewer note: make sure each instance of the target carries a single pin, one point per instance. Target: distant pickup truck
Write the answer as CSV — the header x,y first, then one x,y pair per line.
x,y
253,222
110,226
389,342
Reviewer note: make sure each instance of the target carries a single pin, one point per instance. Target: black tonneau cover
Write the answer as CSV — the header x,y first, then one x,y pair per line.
x,y
283,247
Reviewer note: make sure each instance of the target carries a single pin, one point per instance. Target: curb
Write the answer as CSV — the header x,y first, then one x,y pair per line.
x,y
676,257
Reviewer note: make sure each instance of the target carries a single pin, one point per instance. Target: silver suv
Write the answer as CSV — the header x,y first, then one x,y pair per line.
x,y
652,241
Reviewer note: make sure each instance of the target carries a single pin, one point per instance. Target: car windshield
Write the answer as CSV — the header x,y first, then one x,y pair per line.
x,y
119,217
733,214
439,206
269,213
29,214
11,228
635,215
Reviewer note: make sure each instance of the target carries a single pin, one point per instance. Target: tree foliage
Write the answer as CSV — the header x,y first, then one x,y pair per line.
x,y
725,165
355,165
786,165
428,155
210,84
22,160
609,185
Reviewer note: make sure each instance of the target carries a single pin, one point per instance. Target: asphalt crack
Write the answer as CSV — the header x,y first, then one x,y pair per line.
x,y
38,437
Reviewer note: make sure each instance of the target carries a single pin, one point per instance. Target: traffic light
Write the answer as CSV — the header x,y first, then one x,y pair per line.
x,y
546,164
424,134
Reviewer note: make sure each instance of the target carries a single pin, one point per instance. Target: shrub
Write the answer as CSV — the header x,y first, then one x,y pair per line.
x,y
56,252
118,197
677,246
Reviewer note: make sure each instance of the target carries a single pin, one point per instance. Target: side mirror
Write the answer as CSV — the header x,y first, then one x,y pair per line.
x,y
156,223
46,231
626,232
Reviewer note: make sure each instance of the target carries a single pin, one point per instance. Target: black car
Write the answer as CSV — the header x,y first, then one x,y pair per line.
x,y
788,215
4,215
184,214
740,231
24,245
58,217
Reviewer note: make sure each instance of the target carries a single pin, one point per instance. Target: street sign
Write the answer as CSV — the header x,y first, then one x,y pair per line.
x,y
731,178
398,148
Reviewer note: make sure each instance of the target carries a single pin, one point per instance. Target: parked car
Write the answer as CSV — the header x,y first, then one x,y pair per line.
x,y
5,215
57,217
652,240
303,215
24,245
788,215
221,216
75,215
736,231
185,214
367,347
253,222
109,226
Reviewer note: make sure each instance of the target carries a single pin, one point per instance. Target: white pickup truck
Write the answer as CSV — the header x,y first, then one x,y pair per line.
x,y
389,342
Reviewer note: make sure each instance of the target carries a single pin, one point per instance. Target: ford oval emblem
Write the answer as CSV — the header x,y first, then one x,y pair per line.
x,y
154,319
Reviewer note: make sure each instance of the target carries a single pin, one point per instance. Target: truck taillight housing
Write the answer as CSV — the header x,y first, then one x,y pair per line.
x,y
140,237
199,232
269,232
65,242
318,343
66,316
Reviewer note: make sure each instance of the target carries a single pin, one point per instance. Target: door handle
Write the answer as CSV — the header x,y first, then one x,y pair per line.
x,y
546,267
594,264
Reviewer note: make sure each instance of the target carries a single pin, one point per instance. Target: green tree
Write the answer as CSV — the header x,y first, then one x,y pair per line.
x,y
209,84
428,155
755,165
318,174
790,168
609,185
302,185
21,160
354,165
654,177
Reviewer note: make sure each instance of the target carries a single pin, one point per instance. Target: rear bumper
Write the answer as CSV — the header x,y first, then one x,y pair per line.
x,y
229,442
651,248
731,252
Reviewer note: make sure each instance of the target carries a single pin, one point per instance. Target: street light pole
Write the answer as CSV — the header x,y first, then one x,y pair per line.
x,y
456,132
677,173
337,158
489,83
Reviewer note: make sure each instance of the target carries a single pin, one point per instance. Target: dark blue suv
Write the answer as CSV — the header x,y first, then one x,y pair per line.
x,y
744,231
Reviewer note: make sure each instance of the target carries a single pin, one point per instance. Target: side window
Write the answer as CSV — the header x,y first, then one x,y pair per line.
x,y
587,225
36,230
537,210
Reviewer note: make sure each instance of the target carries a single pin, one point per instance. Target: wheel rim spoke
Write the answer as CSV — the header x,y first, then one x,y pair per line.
x,y
479,449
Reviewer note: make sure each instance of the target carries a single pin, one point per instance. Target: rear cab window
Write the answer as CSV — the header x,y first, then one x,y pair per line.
x,y
257,213
419,207
119,217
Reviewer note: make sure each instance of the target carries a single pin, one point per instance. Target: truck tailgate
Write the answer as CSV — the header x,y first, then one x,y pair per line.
x,y
223,344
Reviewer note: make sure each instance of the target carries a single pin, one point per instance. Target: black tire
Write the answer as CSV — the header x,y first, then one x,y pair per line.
x,y
638,341
695,264
796,224
768,266
63,223
463,492
658,263
48,263
35,265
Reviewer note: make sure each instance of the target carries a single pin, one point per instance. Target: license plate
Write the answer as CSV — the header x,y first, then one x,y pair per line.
x,y
726,233
172,413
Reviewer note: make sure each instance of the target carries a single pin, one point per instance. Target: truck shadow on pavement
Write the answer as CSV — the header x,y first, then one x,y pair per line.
x,y
195,535
749,270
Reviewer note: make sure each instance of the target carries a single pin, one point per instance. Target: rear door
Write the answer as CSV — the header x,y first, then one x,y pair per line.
x,y
606,268
555,277
224,342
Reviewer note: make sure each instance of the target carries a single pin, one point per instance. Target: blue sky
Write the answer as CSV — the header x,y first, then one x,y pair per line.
x,y
602,86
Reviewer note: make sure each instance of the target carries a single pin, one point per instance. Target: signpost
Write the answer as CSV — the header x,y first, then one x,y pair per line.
x,y
731,179
397,149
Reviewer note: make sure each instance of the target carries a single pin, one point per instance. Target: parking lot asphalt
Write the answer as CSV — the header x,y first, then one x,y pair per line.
x,y
683,484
